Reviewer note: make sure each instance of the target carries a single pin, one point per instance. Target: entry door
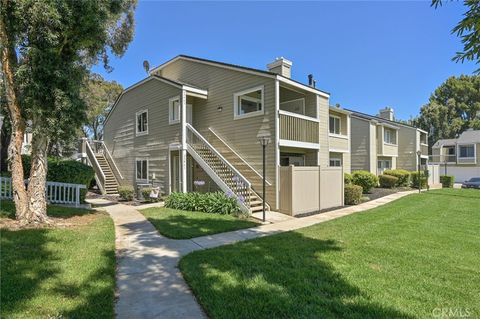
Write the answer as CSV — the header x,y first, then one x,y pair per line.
x,y
175,171
189,114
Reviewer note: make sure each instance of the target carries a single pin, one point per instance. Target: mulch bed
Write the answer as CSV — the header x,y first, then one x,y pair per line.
x,y
376,193
53,222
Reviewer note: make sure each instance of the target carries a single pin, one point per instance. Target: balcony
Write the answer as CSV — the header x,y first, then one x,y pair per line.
x,y
298,130
424,149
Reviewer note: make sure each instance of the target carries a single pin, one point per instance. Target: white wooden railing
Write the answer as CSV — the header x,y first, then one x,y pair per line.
x,y
92,161
99,147
56,193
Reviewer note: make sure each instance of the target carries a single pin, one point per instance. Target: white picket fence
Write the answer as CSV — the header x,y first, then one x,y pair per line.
x,y
57,193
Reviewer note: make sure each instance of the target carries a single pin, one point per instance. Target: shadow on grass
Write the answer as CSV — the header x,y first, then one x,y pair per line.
x,y
38,280
190,226
283,276
7,210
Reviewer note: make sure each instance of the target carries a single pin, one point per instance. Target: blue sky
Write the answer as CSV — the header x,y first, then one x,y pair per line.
x,y
366,54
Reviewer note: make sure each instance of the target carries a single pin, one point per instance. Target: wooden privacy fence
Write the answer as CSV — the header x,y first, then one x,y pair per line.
x,y
433,174
57,193
306,189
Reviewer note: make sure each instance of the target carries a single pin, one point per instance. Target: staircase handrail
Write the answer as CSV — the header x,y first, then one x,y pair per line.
x,y
109,157
96,166
220,156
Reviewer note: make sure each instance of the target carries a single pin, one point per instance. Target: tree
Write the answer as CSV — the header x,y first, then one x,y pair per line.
x,y
452,108
468,29
47,50
99,95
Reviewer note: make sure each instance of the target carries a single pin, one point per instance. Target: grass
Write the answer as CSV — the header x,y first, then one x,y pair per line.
x,y
401,260
58,272
180,224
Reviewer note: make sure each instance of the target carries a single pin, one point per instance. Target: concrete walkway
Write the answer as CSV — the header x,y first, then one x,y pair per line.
x,y
149,284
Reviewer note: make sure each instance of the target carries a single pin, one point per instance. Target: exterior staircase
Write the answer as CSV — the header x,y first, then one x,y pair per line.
x,y
227,176
111,184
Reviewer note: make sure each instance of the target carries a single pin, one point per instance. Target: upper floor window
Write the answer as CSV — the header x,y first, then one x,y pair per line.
x,y
142,122
466,151
389,136
248,103
334,124
174,110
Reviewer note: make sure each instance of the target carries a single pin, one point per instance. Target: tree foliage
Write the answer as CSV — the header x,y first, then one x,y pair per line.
x,y
48,48
452,108
99,96
468,29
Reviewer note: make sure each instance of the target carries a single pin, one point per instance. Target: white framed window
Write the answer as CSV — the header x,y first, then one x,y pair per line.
x,y
384,165
335,125
141,169
174,110
248,103
335,162
141,119
466,151
389,136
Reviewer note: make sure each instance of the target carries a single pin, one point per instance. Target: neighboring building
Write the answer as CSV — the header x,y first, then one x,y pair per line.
x,y
459,157
379,143
193,124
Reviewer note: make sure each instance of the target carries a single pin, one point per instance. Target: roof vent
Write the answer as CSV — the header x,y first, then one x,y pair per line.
x,y
311,81
281,66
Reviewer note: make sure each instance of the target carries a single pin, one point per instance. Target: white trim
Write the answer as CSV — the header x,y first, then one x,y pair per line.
x,y
345,137
339,124
466,158
137,133
301,86
277,143
141,159
183,158
390,144
339,110
303,105
194,90
237,95
288,143
334,159
170,105
300,116
335,150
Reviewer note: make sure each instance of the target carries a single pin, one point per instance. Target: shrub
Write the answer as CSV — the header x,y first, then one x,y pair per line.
x,y
216,202
146,195
347,178
126,192
414,177
447,181
402,175
353,194
64,171
387,181
365,179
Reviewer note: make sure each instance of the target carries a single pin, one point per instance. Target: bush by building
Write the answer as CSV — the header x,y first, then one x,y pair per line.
x,y
365,179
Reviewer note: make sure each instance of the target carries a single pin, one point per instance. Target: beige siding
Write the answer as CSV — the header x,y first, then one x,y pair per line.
x,y
360,144
390,150
323,111
408,140
343,121
240,134
120,136
338,144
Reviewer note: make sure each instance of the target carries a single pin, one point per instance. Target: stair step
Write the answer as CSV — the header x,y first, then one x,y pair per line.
x,y
256,209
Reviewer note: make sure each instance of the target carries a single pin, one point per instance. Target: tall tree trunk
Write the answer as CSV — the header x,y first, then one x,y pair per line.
x,y
37,202
9,60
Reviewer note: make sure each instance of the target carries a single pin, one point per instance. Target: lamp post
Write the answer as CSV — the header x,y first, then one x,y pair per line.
x,y
263,137
419,154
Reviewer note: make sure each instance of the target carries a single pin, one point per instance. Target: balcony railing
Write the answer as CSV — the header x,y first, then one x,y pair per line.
x,y
298,128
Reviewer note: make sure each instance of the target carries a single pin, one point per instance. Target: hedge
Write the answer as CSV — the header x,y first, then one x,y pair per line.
x,y
402,175
126,192
216,202
387,181
146,195
447,181
64,171
347,178
365,179
353,194
414,177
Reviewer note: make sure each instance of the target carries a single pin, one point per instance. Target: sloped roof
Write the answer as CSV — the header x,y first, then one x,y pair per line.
x,y
469,136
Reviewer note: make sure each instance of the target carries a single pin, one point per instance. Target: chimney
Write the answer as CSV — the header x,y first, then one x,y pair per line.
x,y
387,113
281,66
311,81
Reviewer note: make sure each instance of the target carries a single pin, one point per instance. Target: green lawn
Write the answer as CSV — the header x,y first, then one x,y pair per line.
x,y
401,260
61,272
179,224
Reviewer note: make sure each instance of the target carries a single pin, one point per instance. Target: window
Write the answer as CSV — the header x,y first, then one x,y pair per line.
x,y
174,110
384,164
389,136
334,124
287,159
248,103
466,151
141,169
142,123
335,162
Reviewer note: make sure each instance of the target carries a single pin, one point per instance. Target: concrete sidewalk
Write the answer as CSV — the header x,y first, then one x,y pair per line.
x,y
149,284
